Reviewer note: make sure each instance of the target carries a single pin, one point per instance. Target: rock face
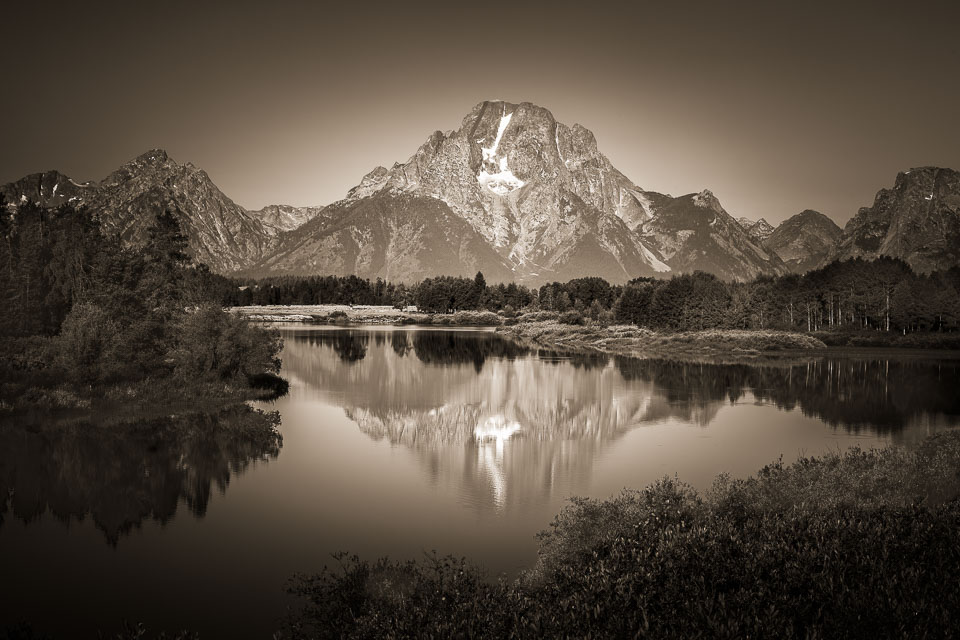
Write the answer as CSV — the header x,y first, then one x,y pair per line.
x,y
278,218
804,241
517,195
759,230
918,221
543,199
694,233
539,195
221,233
48,189
396,236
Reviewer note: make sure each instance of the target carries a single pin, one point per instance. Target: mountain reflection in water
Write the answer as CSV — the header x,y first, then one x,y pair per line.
x,y
124,473
504,421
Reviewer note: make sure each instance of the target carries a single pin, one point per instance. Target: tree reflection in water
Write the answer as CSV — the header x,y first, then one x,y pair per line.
x,y
122,474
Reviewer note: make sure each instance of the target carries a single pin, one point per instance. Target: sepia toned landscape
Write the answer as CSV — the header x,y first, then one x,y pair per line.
x,y
447,321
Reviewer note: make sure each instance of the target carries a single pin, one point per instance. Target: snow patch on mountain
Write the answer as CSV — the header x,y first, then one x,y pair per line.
x,y
490,153
500,180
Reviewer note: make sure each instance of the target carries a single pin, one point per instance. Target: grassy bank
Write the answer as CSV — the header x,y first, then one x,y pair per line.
x,y
631,340
341,314
917,340
545,329
860,544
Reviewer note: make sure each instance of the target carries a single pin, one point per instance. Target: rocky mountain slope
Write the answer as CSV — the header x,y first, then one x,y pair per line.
x,y
804,241
279,218
221,233
694,232
758,230
48,189
918,220
517,195
396,236
541,197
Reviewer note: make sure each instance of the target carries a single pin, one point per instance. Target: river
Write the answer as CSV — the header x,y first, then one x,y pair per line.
x,y
399,442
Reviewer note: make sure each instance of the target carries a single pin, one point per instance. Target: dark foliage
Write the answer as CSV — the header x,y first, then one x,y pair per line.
x,y
101,314
859,545
854,297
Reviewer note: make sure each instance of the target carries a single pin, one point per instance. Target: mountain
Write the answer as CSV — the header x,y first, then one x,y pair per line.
x,y
918,221
512,193
759,230
804,241
278,218
221,233
695,233
396,236
48,189
542,197
537,200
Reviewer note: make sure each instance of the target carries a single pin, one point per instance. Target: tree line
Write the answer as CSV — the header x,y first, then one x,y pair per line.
x,y
883,294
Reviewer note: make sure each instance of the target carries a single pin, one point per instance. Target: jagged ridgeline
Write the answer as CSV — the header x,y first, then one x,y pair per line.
x,y
517,195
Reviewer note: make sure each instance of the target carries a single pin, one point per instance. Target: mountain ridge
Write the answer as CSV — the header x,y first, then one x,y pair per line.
x,y
513,193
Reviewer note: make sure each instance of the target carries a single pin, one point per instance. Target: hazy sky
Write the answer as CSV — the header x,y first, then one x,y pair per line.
x,y
775,107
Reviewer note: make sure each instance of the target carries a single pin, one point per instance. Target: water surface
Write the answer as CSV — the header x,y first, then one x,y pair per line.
x,y
397,442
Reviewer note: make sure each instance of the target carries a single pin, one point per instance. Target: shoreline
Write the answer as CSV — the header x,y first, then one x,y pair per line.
x,y
624,340
342,314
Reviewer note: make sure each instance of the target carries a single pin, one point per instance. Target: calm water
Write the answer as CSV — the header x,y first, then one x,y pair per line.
x,y
397,442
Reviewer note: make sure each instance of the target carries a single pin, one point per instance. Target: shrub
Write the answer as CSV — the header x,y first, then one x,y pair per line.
x,y
87,336
571,317
213,344
539,316
855,545
337,315
476,319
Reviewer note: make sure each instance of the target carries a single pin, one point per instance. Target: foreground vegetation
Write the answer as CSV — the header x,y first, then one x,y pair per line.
x,y
860,544
84,319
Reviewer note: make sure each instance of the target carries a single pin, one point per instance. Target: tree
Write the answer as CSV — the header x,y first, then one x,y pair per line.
x,y
633,305
165,256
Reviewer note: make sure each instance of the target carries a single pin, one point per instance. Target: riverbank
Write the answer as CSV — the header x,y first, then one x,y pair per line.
x,y
550,333
31,386
638,341
341,314
859,544
66,403
544,329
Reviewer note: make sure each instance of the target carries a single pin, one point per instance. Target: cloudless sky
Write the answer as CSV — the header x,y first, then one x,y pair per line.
x,y
775,107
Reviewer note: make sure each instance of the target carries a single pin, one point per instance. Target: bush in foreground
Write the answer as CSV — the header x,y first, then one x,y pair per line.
x,y
861,544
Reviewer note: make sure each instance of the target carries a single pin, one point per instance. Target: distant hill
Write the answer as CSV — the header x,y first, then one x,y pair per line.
x,y
804,241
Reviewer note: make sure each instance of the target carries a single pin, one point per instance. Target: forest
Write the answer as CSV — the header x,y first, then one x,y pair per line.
x,y
852,295
81,314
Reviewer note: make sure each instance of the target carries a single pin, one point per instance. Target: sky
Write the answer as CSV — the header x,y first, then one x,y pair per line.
x,y
774,107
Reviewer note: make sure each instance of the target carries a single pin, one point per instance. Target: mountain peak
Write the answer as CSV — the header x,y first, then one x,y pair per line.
x,y
804,241
152,156
706,200
918,221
